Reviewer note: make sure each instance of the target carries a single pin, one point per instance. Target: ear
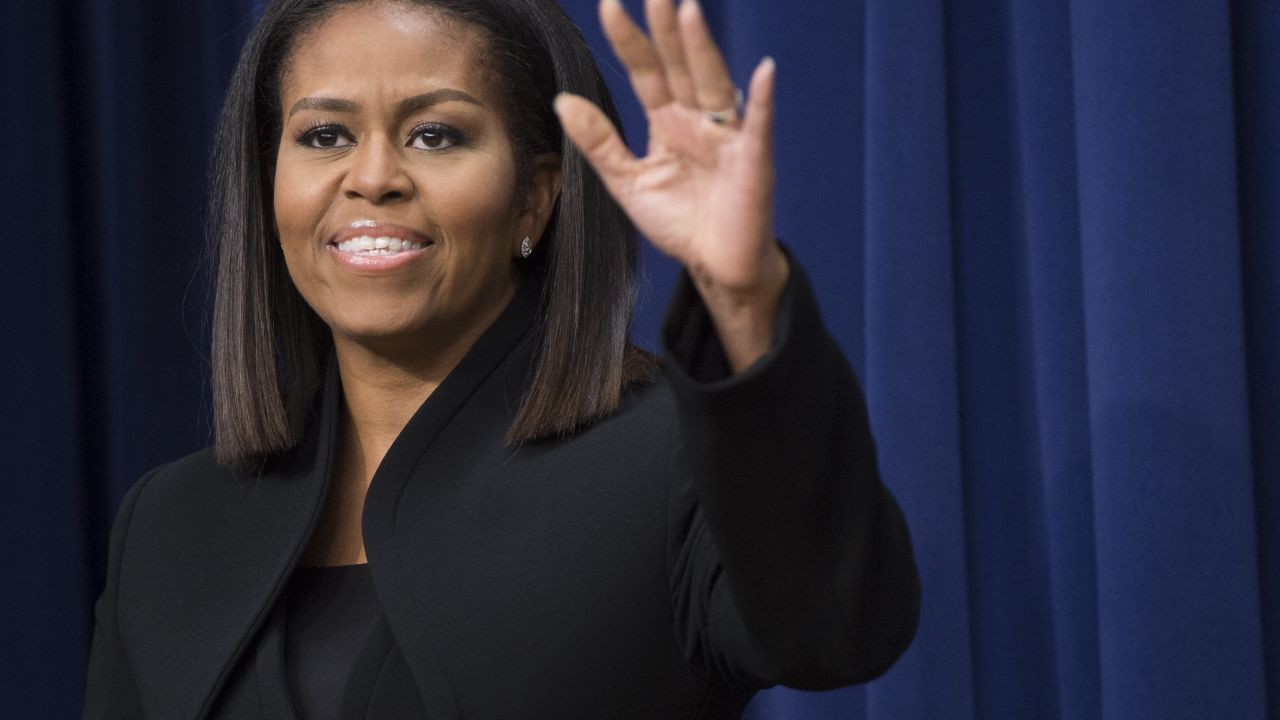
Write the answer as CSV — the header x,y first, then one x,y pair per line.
x,y
542,191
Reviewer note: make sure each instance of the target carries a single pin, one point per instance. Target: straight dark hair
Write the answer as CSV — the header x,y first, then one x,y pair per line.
x,y
269,348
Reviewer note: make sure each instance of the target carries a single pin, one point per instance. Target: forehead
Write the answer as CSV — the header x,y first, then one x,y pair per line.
x,y
389,48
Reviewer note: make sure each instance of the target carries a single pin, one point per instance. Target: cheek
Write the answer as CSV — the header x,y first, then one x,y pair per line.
x,y
299,204
478,210
295,204
293,208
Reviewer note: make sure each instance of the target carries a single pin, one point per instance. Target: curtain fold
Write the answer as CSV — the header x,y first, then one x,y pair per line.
x,y
912,379
106,131
1256,64
1046,168
43,596
1178,604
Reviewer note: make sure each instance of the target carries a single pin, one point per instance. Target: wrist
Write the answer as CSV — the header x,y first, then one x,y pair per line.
x,y
744,316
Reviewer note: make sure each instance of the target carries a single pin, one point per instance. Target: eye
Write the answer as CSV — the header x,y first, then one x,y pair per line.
x,y
434,136
325,136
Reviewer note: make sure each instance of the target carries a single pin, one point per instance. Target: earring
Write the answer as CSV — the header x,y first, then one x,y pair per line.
x,y
526,247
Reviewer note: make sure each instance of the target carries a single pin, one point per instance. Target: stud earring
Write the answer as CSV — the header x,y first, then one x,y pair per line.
x,y
526,247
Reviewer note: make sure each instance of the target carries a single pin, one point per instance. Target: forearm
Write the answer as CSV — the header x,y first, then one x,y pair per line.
x,y
814,550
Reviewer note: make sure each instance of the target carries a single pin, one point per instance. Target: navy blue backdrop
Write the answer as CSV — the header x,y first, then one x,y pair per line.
x,y
1046,234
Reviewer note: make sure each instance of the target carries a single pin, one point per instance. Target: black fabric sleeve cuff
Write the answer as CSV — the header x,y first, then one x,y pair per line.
x,y
815,551
691,348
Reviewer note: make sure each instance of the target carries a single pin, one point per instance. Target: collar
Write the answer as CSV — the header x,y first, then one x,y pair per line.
x,y
260,538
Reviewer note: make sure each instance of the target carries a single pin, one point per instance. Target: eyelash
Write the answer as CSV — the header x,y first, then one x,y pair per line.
x,y
308,135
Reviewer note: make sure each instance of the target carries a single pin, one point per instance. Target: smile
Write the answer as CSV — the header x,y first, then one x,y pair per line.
x,y
368,246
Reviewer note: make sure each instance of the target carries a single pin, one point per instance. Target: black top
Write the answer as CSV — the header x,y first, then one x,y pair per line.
x,y
714,536
333,649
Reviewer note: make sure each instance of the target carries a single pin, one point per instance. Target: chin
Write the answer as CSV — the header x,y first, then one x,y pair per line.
x,y
372,329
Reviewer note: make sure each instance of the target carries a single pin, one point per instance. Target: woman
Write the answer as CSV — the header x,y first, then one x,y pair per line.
x,y
444,486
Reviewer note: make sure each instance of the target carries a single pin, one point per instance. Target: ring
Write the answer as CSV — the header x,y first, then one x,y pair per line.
x,y
722,117
729,116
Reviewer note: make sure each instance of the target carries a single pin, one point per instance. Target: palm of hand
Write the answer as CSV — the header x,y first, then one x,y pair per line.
x,y
703,193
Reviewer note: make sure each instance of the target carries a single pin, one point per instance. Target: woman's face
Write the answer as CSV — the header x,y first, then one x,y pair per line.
x,y
395,186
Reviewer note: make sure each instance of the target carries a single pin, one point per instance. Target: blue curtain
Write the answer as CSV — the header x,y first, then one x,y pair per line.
x,y
1046,234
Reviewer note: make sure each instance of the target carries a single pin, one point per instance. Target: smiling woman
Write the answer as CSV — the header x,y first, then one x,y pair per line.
x,y
444,484
395,134
518,58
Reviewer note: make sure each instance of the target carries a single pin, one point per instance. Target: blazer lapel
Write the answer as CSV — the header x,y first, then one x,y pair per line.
x,y
404,611
209,551
224,544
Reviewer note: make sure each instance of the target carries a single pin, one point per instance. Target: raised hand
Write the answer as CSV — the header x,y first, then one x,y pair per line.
x,y
704,192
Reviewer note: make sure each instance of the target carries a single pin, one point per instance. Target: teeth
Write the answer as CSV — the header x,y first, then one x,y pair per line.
x,y
386,245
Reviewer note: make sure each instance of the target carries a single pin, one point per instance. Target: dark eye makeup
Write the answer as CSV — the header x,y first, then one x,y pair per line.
x,y
322,136
436,136
427,136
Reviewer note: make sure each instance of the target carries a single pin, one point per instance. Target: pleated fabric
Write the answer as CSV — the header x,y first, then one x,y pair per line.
x,y
1069,300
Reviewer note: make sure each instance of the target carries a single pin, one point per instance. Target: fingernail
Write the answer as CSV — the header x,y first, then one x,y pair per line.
x,y
558,102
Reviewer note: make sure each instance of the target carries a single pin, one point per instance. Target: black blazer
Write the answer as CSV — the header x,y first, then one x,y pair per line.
x,y
715,536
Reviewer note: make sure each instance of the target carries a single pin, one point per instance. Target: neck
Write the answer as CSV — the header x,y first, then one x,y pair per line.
x,y
384,384
379,397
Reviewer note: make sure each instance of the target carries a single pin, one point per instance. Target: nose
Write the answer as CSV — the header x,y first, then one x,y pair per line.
x,y
376,173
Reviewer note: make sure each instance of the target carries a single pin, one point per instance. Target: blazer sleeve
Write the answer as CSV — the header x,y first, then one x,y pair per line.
x,y
789,561
110,692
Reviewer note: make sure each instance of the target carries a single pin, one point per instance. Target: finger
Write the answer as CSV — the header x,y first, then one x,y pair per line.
x,y
711,82
661,15
591,131
758,123
648,77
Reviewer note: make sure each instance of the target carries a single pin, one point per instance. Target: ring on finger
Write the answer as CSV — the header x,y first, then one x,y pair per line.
x,y
722,117
729,116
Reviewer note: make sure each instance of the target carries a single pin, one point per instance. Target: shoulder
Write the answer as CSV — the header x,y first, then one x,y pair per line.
x,y
162,511
196,475
631,444
649,399
647,418
177,498
201,464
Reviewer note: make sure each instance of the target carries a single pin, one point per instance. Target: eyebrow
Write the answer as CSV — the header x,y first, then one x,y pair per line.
x,y
404,107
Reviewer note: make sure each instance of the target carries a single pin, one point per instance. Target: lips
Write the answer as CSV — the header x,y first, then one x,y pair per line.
x,y
371,238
